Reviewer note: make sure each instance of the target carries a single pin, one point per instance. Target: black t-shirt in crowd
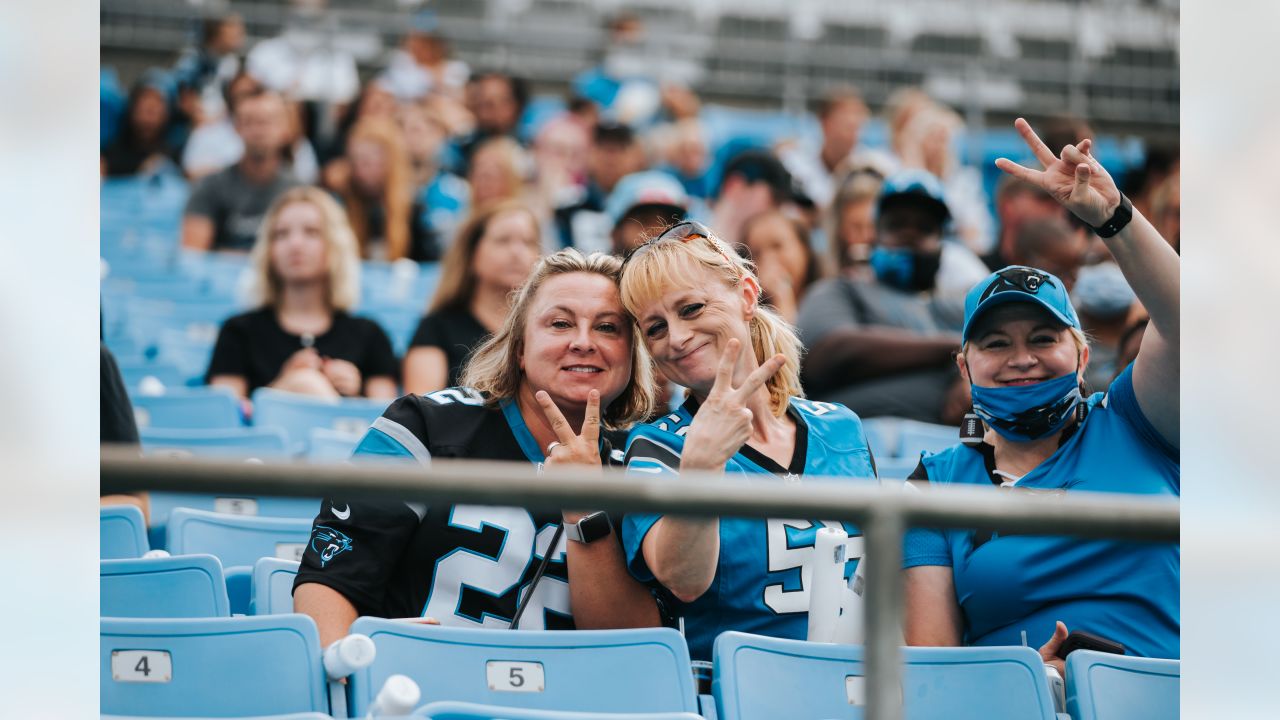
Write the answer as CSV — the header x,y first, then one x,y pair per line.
x,y
454,330
465,565
254,346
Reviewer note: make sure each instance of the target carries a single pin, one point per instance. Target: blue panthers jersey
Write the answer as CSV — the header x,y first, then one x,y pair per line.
x,y
465,565
1008,584
761,580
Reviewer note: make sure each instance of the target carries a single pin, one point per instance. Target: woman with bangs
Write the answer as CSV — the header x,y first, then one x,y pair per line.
x,y
697,305
1025,356
557,384
302,338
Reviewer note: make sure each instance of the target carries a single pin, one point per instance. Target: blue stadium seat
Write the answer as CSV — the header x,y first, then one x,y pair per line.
x,y
882,436
450,710
193,409
764,677
286,716
198,667
122,532
236,539
298,415
181,586
272,588
243,442
643,670
331,446
896,468
914,437
164,503
1103,686
169,375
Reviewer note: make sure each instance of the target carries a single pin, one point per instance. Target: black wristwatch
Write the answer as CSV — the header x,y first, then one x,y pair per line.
x,y
590,528
1122,216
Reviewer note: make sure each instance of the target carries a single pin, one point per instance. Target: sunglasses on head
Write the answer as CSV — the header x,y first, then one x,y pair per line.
x,y
682,231
1027,280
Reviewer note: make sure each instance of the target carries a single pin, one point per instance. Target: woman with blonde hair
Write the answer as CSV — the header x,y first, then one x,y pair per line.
x,y
697,304
378,194
556,385
302,337
494,252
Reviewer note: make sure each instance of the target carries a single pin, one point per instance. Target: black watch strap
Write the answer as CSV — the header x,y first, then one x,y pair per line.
x,y
1121,217
590,528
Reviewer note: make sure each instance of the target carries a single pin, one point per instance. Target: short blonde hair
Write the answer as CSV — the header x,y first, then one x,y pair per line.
x,y
494,367
340,246
659,264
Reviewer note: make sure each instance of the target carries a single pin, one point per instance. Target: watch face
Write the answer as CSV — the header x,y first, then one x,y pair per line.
x,y
595,526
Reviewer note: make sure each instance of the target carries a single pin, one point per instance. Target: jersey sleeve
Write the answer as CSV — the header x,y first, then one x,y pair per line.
x,y
1122,400
355,546
646,456
923,546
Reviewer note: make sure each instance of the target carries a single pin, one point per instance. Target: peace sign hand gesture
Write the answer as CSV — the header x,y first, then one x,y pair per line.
x,y
572,449
723,421
1075,179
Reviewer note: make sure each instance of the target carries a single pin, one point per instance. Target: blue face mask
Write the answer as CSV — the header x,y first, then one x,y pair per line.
x,y
904,269
1028,412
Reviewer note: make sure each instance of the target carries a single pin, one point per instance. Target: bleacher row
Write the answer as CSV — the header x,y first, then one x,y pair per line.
x,y
175,644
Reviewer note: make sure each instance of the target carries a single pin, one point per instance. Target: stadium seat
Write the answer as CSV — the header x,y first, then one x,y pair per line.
x,y
169,375
760,677
271,591
882,436
449,710
220,667
181,586
915,437
298,415
164,503
244,442
644,670
1103,686
896,468
122,532
236,539
331,446
193,409
286,716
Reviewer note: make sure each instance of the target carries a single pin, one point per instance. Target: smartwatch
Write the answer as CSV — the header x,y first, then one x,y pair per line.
x,y
1122,216
590,528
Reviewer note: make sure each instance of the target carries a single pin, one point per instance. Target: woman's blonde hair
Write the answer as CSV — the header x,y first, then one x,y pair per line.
x,y
340,247
457,279
658,265
397,193
513,162
858,186
494,367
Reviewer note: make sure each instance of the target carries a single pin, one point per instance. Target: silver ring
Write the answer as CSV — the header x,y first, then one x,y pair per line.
x,y
552,446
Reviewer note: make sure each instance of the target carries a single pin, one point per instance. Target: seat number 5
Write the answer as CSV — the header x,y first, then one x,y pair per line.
x,y
515,676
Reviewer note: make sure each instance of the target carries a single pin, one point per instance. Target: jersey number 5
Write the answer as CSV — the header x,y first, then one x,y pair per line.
x,y
790,544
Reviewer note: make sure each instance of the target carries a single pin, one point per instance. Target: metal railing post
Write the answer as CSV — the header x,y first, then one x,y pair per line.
x,y
883,532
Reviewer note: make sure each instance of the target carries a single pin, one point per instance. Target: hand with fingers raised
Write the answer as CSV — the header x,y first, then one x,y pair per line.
x,y
1074,178
582,448
723,421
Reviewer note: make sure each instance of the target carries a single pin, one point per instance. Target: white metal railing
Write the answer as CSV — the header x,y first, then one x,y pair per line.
x,y
883,513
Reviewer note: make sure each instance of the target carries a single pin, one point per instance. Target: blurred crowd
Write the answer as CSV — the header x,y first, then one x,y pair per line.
x,y
866,250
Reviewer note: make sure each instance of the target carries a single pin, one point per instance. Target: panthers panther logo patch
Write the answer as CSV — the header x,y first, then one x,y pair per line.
x,y
329,543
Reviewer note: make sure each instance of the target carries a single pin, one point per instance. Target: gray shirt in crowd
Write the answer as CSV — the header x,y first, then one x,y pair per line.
x,y
235,205
844,303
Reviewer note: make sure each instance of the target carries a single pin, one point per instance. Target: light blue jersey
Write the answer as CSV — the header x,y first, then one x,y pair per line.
x,y
764,565
1009,584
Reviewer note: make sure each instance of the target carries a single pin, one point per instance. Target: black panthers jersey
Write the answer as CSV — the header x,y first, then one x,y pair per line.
x,y
464,565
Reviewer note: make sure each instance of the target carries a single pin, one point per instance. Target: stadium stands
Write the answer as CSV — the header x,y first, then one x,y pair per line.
x,y
123,532
248,442
240,666
236,539
193,409
328,446
164,587
472,711
763,677
298,415
1103,686
587,671
164,503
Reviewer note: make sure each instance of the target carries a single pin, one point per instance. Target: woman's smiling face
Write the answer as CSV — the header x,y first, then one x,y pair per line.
x,y
1020,344
685,328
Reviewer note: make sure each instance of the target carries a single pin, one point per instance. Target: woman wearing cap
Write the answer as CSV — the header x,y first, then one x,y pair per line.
x,y
698,307
1024,357
564,364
